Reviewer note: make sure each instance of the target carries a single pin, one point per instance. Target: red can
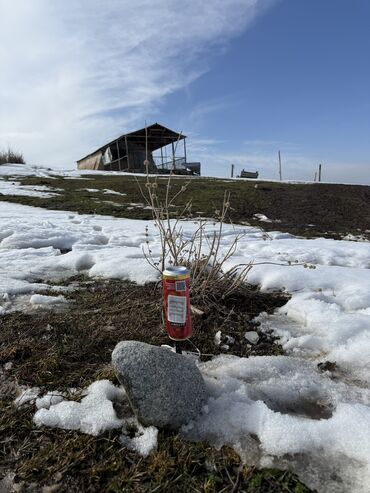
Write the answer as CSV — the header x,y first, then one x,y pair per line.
x,y
176,289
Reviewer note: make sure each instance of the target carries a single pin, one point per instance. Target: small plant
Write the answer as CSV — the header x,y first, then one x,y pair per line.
x,y
11,156
200,251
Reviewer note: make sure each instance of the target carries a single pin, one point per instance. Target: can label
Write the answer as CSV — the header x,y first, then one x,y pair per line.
x,y
176,287
176,309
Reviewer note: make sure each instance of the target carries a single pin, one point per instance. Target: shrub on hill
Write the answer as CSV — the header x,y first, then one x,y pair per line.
x,y
11,156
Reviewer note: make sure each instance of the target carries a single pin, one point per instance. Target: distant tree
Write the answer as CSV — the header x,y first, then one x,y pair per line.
x,y
11,156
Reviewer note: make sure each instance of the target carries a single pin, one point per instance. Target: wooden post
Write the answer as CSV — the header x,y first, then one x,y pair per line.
x,y
127,153
162,156
119,161
315,176
173,157
280,175
319,172
185,150
232,170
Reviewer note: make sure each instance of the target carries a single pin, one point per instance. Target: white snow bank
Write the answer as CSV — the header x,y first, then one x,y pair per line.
x,y
93,415
292,410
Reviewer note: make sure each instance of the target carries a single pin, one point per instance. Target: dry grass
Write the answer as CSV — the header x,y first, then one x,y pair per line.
x,y
61,349
297,207
71,349
72,462
11,156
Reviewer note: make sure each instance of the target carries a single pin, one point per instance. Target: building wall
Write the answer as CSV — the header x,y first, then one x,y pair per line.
x,y
91,162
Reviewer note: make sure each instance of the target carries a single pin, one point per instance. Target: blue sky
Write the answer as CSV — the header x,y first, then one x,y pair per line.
x,y
299,81
242,78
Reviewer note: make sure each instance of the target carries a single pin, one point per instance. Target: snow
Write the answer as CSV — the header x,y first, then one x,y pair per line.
x,y
49,399
27,396
113,192
292,409
327,317
265,219
277,411
143,442
15,188
39,299
93,415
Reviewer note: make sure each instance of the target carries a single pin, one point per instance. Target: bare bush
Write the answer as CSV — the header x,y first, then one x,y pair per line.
x,y
199,251
11,156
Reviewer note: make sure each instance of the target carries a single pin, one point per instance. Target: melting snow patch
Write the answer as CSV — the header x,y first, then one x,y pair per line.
x,y
40,299
143,442
291,410
49,399
93,415
265,219
27,396
112,192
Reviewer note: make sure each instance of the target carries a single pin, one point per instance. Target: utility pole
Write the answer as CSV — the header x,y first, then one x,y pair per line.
x,y
319,172
280,176
315,176
232,170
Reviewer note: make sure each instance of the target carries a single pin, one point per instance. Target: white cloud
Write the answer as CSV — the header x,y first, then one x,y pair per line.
x,y
76,73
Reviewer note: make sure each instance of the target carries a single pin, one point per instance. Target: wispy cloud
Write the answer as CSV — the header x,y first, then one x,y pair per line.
x,y
77,73
277,144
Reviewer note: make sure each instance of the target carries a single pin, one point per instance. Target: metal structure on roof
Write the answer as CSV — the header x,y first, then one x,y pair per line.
x,y
133,152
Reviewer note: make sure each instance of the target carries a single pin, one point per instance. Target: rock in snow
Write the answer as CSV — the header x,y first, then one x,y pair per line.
x,y
165,389
252,337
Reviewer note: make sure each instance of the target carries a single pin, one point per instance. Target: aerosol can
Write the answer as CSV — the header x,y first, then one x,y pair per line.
x,y
176,288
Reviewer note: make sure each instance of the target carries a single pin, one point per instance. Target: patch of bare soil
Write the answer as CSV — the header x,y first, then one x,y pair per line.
x,y
56,351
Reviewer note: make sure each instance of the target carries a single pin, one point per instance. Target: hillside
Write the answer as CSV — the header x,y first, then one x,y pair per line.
x,y
311,210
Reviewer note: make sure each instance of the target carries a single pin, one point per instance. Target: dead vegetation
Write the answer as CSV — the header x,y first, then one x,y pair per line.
x,y
310,210
51,460
59,350
71,348
11,156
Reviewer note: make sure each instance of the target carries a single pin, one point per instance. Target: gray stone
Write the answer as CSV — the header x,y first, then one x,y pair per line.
x,y
165,389
252,337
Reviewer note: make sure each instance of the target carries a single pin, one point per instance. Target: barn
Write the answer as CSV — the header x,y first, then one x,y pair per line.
x,y
154,148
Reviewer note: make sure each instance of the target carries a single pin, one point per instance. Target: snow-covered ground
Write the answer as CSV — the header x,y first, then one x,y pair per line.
x,y
273,410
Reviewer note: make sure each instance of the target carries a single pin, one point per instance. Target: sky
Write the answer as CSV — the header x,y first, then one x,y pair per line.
x,y
242,79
